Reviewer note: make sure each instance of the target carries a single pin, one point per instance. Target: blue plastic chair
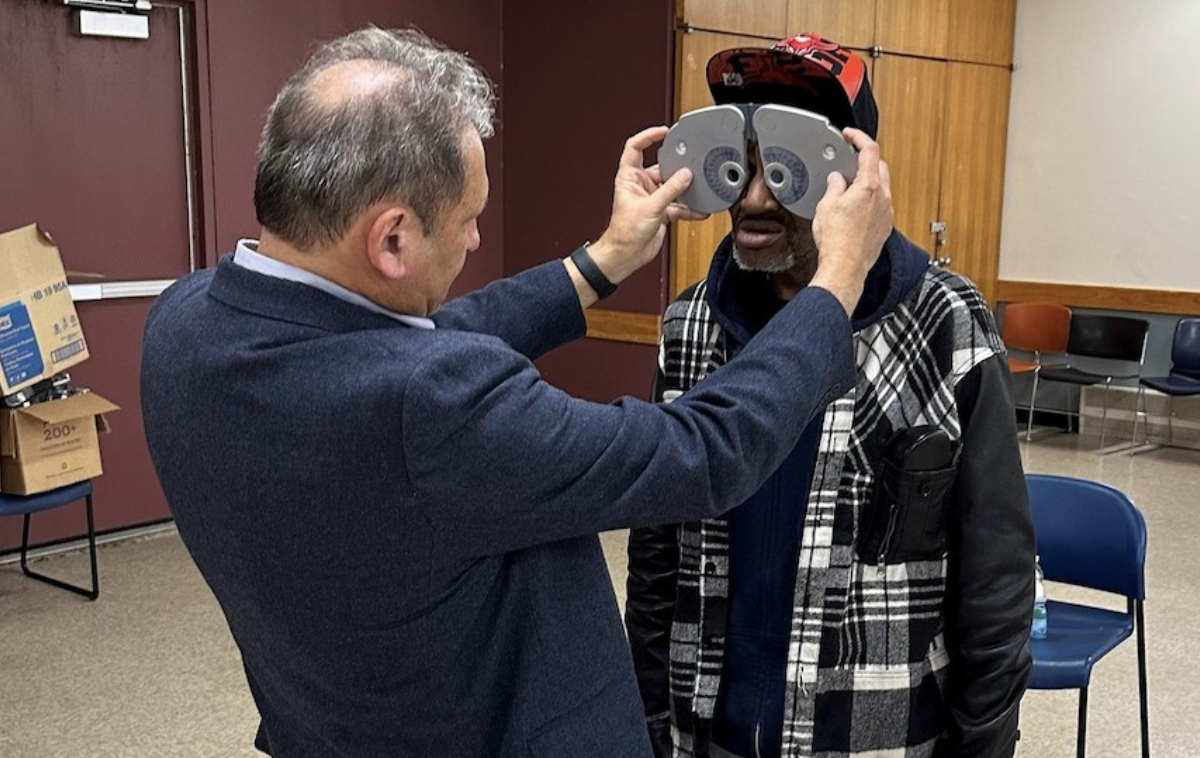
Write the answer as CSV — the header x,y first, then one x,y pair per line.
x,y
27,505
1089,535
1183,380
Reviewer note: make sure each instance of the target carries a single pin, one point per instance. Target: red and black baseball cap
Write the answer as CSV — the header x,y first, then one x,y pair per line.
x,y
804,71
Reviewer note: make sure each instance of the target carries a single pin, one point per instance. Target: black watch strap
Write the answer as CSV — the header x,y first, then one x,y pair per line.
x,y
592,273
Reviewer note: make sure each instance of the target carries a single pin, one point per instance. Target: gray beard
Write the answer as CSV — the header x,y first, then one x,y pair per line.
x,y
776,266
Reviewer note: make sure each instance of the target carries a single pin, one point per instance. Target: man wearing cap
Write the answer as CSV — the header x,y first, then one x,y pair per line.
x,y
874,596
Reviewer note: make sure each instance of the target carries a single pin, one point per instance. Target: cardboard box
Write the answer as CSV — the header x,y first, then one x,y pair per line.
x,y
40,333
49,445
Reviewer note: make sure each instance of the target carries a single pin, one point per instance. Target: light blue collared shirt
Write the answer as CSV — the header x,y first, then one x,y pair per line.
x,y
247,256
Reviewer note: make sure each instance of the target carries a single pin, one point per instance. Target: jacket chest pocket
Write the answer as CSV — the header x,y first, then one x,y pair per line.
x,y
905,518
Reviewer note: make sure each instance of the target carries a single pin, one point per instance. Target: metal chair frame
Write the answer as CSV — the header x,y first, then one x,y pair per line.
x,y
27,505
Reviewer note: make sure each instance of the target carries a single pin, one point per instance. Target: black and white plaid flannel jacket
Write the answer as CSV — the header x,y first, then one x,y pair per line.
x,y
866,648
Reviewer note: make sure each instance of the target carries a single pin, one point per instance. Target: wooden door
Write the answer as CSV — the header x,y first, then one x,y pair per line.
x,y
850,23
693,242
765,18
982,31
914,27
910,94
976,138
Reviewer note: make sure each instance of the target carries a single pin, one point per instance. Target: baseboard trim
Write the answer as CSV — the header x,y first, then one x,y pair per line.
x,y
72,545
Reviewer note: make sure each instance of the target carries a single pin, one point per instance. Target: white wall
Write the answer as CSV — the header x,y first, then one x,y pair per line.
x,y
1103,175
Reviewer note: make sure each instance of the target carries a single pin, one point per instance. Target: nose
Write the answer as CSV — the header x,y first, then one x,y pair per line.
x,y
473,237
758,197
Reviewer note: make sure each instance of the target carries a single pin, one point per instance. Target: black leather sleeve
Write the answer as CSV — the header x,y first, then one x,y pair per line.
x,y
649,609
989,597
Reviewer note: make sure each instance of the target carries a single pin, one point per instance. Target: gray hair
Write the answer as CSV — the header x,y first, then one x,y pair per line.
x,y
323,160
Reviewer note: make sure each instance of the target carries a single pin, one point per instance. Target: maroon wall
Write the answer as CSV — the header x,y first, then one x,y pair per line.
x,y
579,79
601,370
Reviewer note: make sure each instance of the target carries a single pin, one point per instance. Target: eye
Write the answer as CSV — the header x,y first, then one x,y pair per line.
x,y
724,173
785,174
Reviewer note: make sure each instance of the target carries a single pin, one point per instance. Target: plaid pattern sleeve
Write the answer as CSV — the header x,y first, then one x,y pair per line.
x,y
693,347
867,661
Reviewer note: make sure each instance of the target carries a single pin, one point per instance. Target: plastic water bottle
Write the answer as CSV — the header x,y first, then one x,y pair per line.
x,y
1038,631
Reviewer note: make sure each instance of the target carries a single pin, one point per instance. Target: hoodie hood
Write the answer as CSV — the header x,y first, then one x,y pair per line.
x,y
743,301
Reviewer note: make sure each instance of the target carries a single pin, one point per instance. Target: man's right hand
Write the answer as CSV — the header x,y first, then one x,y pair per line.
x,y
852,223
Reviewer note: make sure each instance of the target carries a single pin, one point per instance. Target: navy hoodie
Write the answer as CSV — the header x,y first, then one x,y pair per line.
x,y
764,532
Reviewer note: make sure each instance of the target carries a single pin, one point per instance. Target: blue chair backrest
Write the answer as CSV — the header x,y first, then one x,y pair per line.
x,y
1116,338
1185,349
1088,534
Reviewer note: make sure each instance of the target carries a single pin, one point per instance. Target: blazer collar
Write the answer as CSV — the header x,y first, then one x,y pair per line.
x,y
285,300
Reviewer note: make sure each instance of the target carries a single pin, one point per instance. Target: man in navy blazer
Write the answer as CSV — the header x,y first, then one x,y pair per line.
x,y
396,514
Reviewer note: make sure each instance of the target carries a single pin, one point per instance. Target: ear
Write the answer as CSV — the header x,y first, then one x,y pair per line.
x,y
388,238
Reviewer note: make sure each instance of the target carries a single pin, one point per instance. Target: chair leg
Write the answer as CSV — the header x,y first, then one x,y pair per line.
x,y
1170,421
91,522
1032,397
1081,736
1104,414
90,594
1140,620
1139,415
1075,419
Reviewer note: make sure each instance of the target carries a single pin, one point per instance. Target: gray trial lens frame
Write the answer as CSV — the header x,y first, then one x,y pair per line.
x,y
799,149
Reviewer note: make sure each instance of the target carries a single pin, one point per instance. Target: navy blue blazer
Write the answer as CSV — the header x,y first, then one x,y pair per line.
x,y
399,524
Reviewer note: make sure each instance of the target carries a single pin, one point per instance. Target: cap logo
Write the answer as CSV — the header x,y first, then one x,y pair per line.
x,y
829,59
732,79
830,56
